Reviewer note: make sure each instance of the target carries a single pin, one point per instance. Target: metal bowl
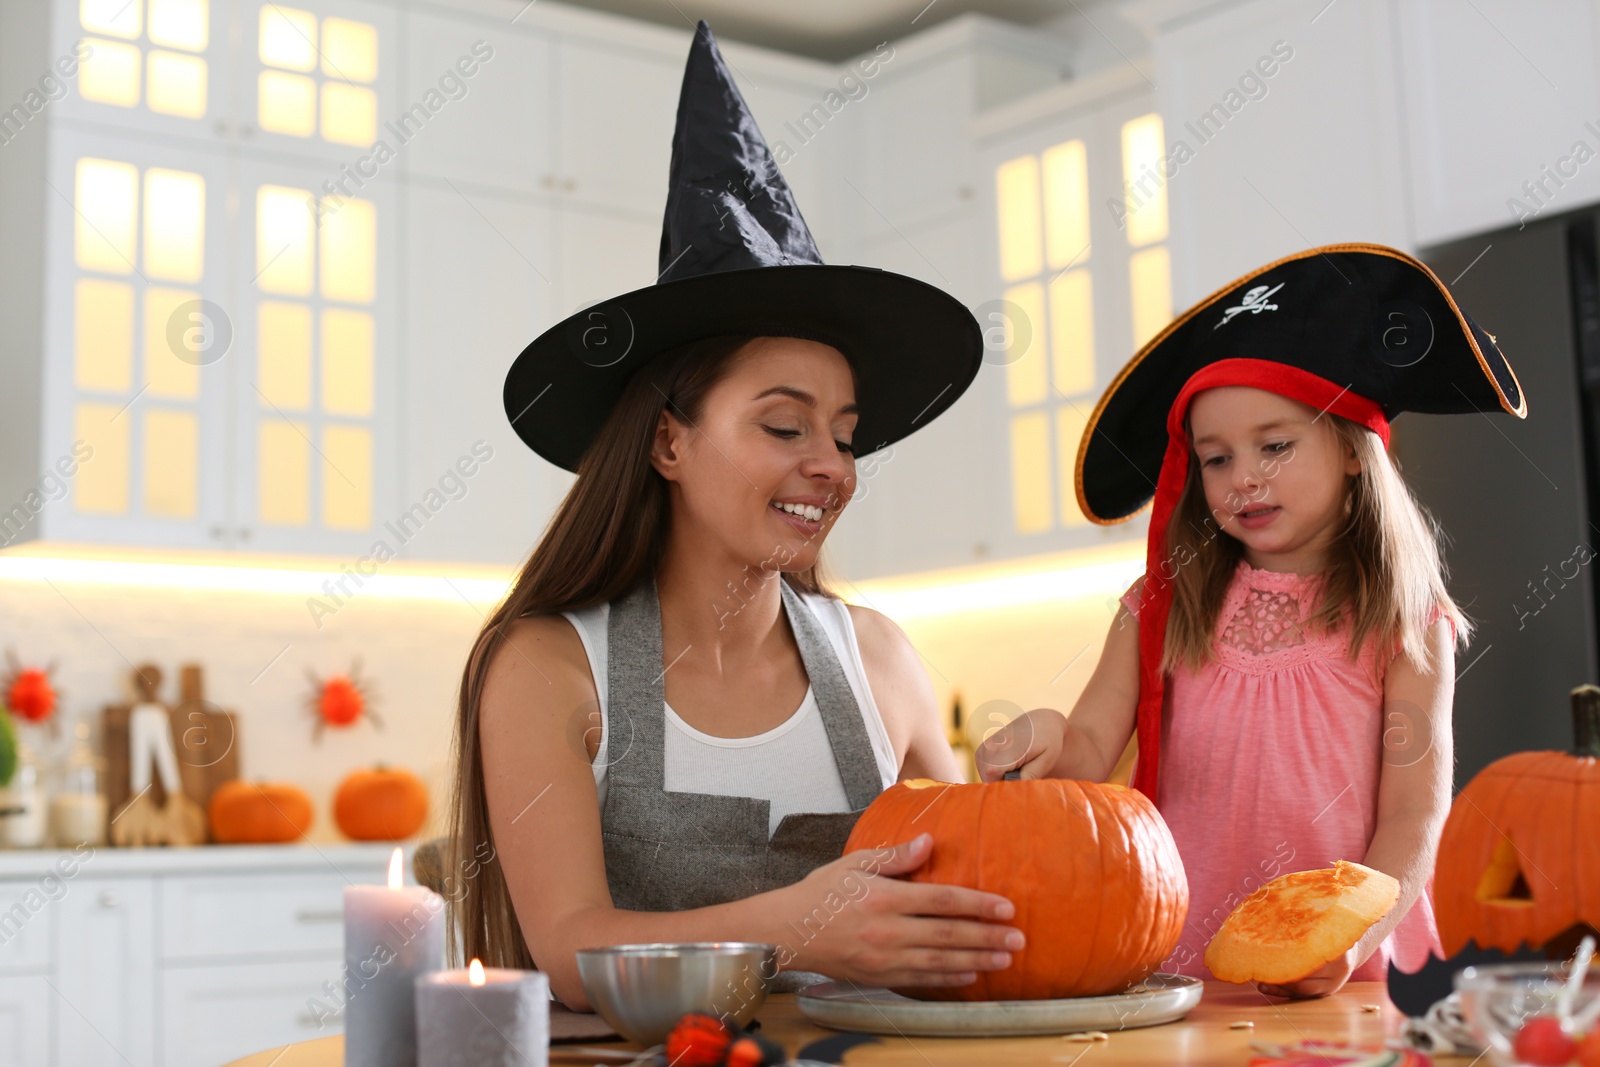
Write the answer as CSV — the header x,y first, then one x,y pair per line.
x,y
643,990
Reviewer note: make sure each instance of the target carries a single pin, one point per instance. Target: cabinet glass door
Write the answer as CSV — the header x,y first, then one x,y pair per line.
x,y
314,434
137,345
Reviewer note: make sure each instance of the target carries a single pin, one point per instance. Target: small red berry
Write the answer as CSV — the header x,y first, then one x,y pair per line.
x,y
698,1041
1589,1049
1543,1042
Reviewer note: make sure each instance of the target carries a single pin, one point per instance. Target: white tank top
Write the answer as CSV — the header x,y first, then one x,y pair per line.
x,y
791,765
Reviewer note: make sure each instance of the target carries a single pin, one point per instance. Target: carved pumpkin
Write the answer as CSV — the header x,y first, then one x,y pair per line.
x,y
1099,887
259,813
381,804
1297,922
1518,860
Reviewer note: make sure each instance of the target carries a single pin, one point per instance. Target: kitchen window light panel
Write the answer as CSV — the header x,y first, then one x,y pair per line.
x,y
316,361
115,18
109,74
316,79
1043,231
170,77
184,24
102,336
136,232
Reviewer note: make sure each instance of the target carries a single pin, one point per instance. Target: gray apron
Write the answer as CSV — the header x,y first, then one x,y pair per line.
x,y
673,851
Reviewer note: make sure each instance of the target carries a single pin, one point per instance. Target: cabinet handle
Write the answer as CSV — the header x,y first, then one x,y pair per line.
x,y
244,533
219,532
312,915
312,1022
108,899
547,181
569,185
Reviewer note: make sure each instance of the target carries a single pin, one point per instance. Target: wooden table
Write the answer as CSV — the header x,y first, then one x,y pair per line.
x,y
1204,1039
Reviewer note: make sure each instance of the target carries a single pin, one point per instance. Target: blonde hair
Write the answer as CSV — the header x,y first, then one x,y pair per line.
x,y
1384,570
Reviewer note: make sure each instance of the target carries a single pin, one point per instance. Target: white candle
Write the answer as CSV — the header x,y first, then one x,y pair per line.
x,y
391,935
483,1017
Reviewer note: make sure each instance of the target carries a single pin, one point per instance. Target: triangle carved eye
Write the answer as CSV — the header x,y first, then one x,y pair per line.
x,y
1503,882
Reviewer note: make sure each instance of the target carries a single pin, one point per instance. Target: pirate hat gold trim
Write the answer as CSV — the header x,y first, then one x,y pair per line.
x,y
1362,301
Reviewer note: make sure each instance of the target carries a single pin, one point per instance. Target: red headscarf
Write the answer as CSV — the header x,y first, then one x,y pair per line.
x,y
1156,599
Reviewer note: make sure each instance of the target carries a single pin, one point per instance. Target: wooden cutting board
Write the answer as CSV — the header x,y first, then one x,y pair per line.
x,y
205,737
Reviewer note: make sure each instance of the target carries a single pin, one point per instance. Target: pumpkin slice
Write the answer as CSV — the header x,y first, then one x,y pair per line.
x,y
1297,922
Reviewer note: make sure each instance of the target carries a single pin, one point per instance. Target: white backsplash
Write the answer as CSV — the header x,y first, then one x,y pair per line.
x,y
255,649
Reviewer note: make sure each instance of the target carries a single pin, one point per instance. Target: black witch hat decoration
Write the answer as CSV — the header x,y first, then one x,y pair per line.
x,y
737,259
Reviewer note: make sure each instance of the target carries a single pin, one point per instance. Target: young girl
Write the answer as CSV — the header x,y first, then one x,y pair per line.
x,y
1293,594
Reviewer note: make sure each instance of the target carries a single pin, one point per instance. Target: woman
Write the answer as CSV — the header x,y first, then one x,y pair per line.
x,y
668,728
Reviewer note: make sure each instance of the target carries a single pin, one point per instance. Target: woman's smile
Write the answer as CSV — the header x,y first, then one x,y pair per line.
x,y
803,514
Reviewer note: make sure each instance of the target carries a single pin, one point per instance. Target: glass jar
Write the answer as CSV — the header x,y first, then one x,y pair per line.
x,y
23,823
78,809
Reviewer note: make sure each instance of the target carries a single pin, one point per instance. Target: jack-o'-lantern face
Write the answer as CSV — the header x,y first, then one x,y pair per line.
x,y
1518,860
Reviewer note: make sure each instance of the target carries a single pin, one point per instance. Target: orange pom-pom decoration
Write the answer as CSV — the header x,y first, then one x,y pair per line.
x,y
698,1041
30,695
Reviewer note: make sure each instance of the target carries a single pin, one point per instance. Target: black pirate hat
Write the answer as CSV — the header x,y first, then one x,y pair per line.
x,y
1369,318
1363,331
736,258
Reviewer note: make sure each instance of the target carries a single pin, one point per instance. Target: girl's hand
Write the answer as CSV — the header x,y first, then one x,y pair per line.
x,y
1031,741
1325,980
860,922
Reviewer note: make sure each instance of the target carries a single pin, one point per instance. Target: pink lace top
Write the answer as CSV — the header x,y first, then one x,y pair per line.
x,y
1270,760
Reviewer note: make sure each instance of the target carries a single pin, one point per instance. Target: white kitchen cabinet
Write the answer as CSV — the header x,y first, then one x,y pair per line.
x,y
217,1014
1497,104
482,281
27,1007
1317,158
173,956
617,108
499,132
139,73
252,73
105,971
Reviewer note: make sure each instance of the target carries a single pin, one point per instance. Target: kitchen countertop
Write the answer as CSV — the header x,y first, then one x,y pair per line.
x,y
1203,1039
110,861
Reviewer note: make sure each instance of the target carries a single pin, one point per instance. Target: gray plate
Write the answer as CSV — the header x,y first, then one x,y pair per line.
x,y
1161,998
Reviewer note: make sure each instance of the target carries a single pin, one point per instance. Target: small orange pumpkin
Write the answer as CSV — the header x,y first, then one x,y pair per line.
x,y
1517,859
259,813
380,804
1095,875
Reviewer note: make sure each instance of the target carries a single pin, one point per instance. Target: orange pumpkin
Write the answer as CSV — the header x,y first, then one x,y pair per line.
x,y
1099,887
257,813
1517,859
381,804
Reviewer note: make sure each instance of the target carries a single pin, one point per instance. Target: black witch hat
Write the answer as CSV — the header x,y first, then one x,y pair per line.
x,y
737,259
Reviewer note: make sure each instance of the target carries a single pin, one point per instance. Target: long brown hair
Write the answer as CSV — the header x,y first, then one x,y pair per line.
x,y
1384,571
607,535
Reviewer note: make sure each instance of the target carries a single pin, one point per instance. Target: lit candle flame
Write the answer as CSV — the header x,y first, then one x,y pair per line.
x,y
397,876
475,972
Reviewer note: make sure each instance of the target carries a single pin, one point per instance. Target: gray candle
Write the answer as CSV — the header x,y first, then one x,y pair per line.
x,y
392,934
483,1017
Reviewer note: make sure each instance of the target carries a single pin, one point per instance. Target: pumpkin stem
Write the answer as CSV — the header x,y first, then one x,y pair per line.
x,y
1586,721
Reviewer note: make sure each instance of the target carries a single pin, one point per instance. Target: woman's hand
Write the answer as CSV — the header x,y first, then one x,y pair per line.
x,y
1032,741
856,920
1325,980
